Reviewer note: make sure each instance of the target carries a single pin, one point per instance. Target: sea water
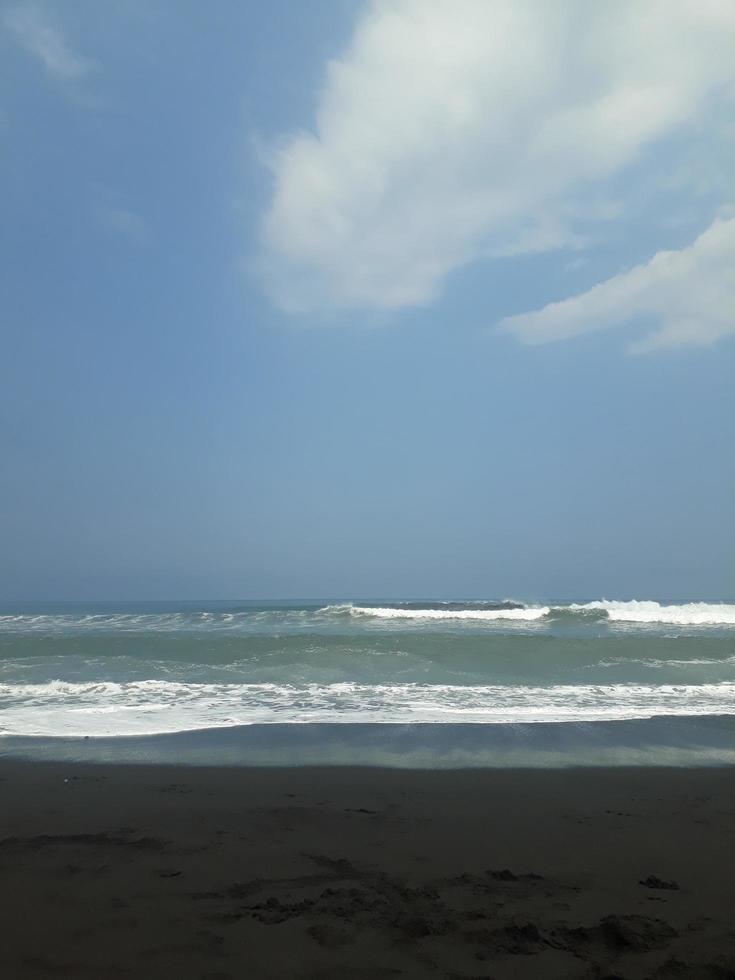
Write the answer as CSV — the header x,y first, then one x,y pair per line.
x,y
110,671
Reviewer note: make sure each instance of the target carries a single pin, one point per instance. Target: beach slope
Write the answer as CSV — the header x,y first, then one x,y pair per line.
x,y
218,873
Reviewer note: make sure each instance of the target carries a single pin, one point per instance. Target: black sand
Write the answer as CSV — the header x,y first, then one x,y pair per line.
x,y
157,871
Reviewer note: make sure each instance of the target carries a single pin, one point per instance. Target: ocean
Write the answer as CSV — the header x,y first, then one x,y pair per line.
x,y
640,680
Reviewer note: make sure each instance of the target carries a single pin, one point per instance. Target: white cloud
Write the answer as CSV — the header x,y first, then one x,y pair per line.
x,y
32,28
689,293
452,130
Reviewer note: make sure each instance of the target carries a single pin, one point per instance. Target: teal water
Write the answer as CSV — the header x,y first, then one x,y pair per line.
x,y
127,669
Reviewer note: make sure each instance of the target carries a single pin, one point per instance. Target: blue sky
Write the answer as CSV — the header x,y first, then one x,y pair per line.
x,y
408,298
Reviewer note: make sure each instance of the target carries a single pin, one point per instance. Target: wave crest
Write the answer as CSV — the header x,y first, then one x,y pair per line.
x,y
397,612
686,614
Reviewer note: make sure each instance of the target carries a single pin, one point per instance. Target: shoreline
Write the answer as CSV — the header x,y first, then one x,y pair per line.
x,y
676,741
328,872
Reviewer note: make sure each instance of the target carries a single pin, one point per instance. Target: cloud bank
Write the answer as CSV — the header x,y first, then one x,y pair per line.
x,y
455,130
689,293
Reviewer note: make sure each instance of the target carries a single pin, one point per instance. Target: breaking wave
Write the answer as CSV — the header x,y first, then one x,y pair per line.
x,y
686,614
251,619
402,612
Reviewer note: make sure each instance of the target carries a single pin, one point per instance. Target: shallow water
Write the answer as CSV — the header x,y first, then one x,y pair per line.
x,y
141,669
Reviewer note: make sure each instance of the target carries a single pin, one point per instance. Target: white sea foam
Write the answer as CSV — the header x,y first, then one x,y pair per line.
x,y
686,614
156,706
401,612
159,622
122,622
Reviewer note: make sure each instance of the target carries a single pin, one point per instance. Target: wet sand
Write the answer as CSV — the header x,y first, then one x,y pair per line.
x,y
337,873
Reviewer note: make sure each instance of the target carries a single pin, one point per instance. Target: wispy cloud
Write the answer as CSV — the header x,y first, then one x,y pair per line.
x,y
689,294
455,130
125,222
34,30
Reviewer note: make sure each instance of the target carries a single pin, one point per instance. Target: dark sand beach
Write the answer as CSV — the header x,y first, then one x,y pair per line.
x,y
218,873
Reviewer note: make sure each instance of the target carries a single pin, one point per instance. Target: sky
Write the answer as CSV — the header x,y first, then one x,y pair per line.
x,y
367,298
